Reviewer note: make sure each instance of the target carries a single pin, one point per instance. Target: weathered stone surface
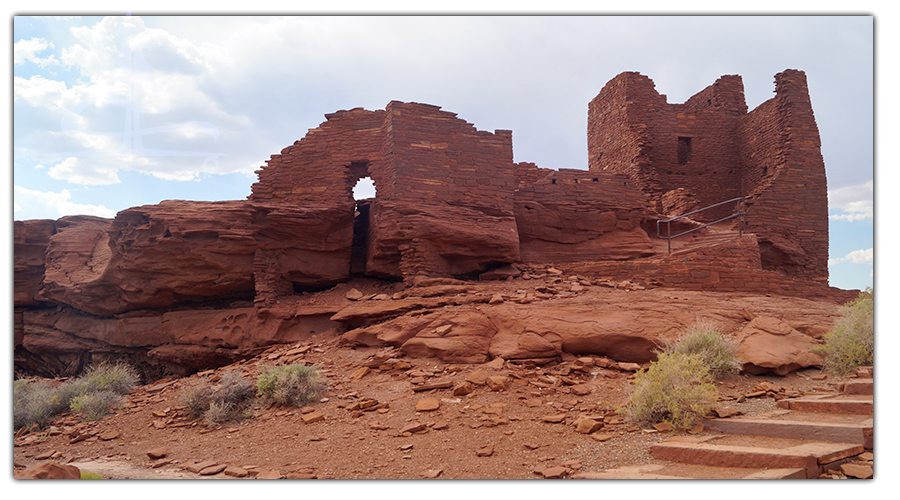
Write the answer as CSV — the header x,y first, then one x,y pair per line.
x,y
50,470
430,404
771,345
157,453
179,251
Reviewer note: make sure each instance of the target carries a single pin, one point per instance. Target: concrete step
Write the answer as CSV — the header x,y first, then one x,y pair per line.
x,y
842,404
812,457
845,432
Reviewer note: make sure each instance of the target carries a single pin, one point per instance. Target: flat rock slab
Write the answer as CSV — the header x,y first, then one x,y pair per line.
x,y
859,387
806,456
847,405
821,431
778,474
634,472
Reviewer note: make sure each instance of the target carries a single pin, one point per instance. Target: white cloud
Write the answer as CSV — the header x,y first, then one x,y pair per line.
x,y
866,256
39,91
28,50
57,204
77,171
854,201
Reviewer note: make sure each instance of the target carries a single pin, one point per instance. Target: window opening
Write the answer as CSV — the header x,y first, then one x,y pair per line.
x,y
684,150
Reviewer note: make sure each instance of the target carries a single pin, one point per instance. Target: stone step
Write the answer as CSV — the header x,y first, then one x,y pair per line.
x,y
856,433
812,457
847,405
683,471
858,387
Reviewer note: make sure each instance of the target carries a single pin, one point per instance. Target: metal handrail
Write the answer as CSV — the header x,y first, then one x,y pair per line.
x,y
740,214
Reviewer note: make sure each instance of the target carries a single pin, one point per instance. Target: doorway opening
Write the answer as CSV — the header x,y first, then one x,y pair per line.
x,y
364,193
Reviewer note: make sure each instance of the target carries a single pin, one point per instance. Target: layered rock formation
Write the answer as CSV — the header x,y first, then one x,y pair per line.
x,y
181,285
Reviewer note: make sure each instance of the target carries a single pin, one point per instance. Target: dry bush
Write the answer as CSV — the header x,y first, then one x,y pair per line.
x,y
851,343
716,350
292,385
221,403
676,388
96,405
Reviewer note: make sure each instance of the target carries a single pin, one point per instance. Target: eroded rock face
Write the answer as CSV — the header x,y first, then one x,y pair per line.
x,y
157,256
438,240
771,345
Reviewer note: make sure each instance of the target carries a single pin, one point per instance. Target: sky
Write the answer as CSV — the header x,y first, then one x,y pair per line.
x,y
121,111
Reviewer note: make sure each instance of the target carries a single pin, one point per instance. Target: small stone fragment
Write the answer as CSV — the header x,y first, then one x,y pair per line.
x,y
157,453
430,404
557,472
485,451
310,418
857,471
432,473
354,294
235,471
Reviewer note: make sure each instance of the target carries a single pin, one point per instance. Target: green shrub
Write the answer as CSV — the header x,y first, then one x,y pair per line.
x,y
118,378
676,388
96,405
716,350
293,385
851,343
90,475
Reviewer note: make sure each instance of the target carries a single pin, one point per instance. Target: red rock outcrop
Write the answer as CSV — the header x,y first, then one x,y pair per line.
x,y
181,285
769,345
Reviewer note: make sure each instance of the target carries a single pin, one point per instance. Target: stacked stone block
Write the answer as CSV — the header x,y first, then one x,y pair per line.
x,y
713,148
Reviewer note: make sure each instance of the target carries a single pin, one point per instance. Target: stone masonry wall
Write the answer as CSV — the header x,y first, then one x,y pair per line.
x,y
711,149
784,178
729,267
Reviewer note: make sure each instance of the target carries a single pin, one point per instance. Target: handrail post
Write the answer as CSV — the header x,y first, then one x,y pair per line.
x,y
669,234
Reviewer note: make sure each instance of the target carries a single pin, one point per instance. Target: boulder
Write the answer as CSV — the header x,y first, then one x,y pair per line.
x,y
769,345
50,470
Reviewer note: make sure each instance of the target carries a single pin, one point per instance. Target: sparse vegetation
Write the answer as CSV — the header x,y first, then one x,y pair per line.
x,y
716,350
676,388
293,385
96,405
91,395
222,403
90,475
851,343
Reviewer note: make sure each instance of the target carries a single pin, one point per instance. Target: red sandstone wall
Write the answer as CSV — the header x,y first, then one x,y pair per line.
x,y
730,267
618,142
317,168
784,179
572,215
439,158
630,108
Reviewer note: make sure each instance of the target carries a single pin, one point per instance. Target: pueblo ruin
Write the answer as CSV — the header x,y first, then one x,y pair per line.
x,y
185,285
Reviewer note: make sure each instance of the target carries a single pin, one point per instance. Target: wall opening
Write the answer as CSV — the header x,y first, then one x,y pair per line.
x,y
364,192
684,150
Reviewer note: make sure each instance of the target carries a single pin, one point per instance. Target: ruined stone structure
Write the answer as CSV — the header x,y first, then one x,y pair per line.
x,y
187,284
711,148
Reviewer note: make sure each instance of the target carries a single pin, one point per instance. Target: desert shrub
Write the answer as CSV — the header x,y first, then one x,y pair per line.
x,y
221,403
39,402
851,343
197,398
117,378
676,388
90,475
34,403
96,405
293,385
716,350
